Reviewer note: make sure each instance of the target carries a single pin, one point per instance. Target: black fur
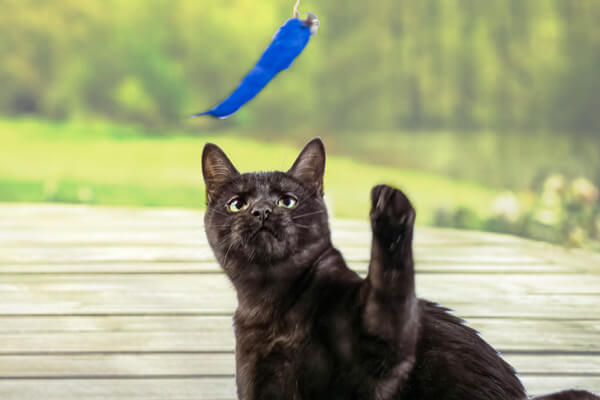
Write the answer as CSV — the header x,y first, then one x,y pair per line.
x,y
308,327
569,395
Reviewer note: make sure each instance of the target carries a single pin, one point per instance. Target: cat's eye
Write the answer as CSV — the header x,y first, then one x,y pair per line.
x,y
287,201
236,205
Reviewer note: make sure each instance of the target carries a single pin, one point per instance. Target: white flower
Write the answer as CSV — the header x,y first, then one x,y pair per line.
x,y
548,216
507,206
550,198
585,190
555,183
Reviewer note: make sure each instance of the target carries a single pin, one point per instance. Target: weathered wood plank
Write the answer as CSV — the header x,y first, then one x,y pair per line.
x,y
95,294
115,389
117,365
166,303
72,218
202,253
555,364
45,218
130,234
575,296
209,334
206,364
529,328
467,283
201,267
198,388
208,340
163,302
538,385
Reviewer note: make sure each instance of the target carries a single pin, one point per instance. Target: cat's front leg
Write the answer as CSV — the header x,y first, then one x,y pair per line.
x,y
391,270
390,311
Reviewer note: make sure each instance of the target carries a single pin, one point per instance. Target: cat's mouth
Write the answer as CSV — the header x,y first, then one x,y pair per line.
x,y
264,230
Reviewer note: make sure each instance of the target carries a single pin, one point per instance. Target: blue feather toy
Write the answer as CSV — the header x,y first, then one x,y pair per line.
x,y
288,42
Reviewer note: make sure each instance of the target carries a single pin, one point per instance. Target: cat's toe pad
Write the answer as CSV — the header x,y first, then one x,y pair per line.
x,y
392,215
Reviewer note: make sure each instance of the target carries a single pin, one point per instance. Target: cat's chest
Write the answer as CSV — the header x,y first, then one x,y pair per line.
x,y
260,340
292,358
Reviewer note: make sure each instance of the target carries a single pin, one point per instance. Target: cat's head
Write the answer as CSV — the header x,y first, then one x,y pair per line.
x,y
265,218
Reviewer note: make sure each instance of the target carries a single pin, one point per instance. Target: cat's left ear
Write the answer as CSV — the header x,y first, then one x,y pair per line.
x,y
309,167
216,169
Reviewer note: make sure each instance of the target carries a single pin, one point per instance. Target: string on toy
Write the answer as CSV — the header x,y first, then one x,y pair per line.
x,y
296,12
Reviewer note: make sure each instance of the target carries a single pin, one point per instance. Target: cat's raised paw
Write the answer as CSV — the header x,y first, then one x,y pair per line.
x,y
392,216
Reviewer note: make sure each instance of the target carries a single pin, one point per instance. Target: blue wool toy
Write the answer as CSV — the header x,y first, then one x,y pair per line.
x,y
288,42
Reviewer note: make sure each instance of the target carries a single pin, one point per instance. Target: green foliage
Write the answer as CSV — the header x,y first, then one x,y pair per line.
x,y
554,210
412,65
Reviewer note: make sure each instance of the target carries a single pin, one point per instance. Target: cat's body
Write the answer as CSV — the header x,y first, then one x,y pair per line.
x,y
308,327
331,357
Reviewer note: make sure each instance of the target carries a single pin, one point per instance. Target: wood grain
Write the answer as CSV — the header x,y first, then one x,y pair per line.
x,y
119,303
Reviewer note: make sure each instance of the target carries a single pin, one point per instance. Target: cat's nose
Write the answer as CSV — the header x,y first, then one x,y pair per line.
x,y
261,212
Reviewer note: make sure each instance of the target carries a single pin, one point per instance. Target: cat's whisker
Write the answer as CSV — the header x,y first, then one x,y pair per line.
x,y
301,226
225,239
308,214
227,252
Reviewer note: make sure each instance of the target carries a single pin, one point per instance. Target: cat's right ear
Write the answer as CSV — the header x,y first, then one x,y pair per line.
x,y
309,167
216,169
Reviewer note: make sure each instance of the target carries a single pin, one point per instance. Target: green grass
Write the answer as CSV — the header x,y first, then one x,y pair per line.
x,y
108,164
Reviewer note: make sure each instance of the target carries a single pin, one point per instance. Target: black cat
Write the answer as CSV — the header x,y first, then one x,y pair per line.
x,y
308,327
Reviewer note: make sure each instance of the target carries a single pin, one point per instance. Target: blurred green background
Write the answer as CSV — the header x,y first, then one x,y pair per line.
x,y
486,113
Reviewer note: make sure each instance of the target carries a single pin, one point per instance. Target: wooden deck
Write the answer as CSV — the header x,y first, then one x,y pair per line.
x,y
101,303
